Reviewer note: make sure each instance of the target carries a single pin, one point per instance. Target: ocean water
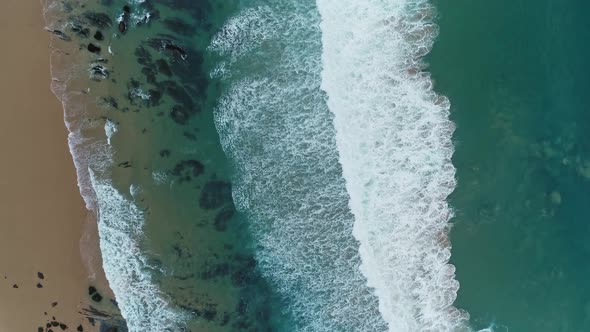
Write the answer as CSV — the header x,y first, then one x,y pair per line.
x,y
516,75
298,165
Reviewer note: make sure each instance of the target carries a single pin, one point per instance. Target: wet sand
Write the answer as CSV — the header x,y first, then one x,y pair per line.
x,y
42,216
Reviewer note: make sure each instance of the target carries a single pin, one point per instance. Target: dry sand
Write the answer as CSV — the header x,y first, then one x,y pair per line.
x,y
42,216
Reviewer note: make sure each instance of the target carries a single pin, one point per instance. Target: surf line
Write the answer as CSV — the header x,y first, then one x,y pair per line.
x,y
394,140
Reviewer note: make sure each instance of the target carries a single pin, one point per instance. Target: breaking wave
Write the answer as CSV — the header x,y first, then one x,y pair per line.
x,y
275,126
394,141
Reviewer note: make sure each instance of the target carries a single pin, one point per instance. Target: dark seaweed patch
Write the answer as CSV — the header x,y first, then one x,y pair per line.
x,y
150,74
180,95
215,194
99,20
215,271
190,136
243,269
178,26
188,169
165,153
179,114
163,67
197,9
223,218
143,56
155,97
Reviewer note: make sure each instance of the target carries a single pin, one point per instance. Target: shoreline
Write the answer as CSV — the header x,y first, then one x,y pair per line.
x,y
50,254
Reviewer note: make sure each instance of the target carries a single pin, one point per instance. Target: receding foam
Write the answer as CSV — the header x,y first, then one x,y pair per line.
x,y
120,227
394,140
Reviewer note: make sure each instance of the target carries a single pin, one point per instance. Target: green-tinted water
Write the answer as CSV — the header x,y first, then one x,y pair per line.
x,y
516,75
183,258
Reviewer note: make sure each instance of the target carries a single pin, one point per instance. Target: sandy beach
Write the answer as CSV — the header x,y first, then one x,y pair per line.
x,y
42,216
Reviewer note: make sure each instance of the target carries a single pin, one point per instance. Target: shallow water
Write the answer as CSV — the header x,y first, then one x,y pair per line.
x,y
149,162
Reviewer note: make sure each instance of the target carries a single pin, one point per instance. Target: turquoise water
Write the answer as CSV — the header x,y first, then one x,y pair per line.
x,y
289,166
516,75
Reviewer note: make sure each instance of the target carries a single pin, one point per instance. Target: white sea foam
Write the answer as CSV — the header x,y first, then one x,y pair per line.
x,y
140,93
110,128
120,228
274,123
394,142
160,177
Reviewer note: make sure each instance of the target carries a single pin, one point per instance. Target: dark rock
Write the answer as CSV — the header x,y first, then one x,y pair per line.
x,y
54,304
15,286
99,20
110,102
80,328
48,325
215,194
91,290
125,164
223,217
39,285
127,9
79,30
40,275
63,326
97,297
49,330
122,27
176,50
61,35
98,35
167,45
98,72
93,48
54,323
